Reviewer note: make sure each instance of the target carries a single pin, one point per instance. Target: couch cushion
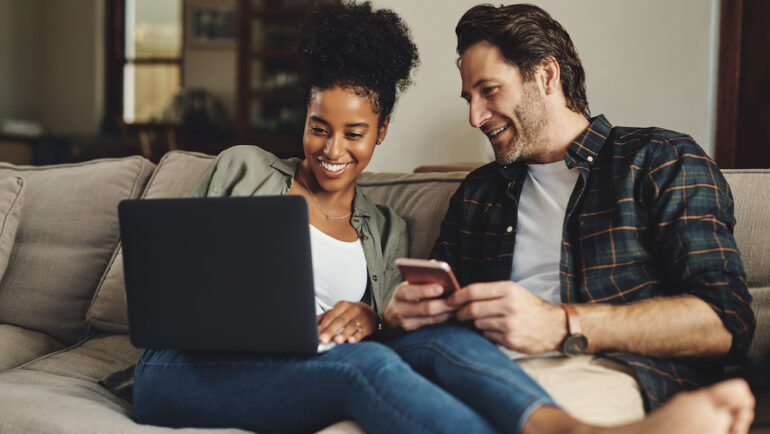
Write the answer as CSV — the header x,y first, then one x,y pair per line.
x,y
64,241
59,393
759,352
751,191
176,174
421,199
11,198
21,345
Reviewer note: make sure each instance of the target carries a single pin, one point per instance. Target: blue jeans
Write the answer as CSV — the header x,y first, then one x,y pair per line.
x,y
463,383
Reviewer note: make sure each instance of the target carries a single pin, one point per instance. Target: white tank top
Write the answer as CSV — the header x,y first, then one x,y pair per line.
x,y
339,270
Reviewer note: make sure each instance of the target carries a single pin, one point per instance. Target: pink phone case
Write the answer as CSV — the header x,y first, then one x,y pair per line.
x,y
428,271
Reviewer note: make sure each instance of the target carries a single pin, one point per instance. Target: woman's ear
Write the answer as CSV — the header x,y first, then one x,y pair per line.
x,y
383,130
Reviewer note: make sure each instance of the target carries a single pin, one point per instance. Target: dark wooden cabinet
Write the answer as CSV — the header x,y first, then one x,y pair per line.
x,y
270,111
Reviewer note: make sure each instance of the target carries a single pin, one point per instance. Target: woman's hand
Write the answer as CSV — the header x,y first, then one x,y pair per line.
x,y
355,320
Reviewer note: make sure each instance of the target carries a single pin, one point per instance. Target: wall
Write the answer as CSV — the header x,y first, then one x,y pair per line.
x,y
19,62
213,70
647,63
52,63
72,52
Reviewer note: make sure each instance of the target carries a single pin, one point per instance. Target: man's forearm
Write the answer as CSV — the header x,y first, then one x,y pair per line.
x,y
682,326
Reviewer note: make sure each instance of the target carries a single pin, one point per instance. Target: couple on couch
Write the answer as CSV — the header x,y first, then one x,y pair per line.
x,y
583,240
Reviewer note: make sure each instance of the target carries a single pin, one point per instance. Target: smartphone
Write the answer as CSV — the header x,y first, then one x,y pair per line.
x,y
428,271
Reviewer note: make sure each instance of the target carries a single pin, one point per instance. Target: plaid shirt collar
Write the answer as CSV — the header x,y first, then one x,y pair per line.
x,y
581,153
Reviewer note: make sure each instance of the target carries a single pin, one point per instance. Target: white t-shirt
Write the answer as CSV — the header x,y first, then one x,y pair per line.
x,y
339,270
537,252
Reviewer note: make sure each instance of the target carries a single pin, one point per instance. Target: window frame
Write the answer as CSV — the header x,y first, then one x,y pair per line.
x,y
116,62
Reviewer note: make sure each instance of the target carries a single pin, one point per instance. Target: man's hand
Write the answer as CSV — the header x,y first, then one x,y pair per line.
x,y
414,306
510,315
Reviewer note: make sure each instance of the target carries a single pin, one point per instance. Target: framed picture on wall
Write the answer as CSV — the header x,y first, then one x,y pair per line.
x,y
210,23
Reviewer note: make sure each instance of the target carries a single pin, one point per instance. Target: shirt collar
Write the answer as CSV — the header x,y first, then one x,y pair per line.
x,y
585,148
287,166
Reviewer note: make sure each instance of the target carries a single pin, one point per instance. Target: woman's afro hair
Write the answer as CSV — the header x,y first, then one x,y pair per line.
x,y
350,45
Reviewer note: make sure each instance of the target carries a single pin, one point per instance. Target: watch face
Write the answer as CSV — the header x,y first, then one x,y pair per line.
x,y
574,345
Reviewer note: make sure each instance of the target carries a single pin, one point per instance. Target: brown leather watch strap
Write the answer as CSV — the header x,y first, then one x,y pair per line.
x,y
573,319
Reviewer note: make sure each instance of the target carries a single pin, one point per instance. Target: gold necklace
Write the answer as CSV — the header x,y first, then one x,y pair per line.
x,y
330,217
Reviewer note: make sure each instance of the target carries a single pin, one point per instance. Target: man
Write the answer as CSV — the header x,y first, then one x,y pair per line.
x,y
583,238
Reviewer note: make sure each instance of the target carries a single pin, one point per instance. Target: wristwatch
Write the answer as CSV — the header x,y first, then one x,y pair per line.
x,y
575,343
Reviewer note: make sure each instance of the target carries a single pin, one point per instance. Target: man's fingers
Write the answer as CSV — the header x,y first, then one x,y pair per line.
x,y
491,324
424,309
434,307
495,336
416,292
478,292
411,324
482,309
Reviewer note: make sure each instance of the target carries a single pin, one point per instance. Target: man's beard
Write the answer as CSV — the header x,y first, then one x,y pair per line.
x,y
529,122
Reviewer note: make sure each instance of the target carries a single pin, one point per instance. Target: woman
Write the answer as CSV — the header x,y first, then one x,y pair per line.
x,y
357,59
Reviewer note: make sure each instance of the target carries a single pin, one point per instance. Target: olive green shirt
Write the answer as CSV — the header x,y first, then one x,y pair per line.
x,y
252,171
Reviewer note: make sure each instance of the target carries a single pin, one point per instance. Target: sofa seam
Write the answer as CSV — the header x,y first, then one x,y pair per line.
x,y
136,178
13,206
98,291
68,165
731,171
407,182
162,162
46,356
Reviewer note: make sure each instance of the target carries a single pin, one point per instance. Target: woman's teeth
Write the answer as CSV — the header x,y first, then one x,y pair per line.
x,y
333,167
494,133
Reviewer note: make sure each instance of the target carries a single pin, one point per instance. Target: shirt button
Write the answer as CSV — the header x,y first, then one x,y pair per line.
x,y
590,158
356,220
374,277
510,185
365,237
509,229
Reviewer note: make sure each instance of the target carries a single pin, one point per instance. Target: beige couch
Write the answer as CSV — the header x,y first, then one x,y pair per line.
x,y
63,321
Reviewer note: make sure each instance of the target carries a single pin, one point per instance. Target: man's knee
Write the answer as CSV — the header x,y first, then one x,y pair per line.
x,y
593,389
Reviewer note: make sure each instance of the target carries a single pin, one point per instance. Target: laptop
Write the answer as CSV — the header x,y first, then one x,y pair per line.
x,y
219,274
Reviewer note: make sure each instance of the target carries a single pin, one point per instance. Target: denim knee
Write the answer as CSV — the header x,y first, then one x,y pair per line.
x,y
369,358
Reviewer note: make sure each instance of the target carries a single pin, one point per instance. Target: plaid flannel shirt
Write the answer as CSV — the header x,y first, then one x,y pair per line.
x,y
651,215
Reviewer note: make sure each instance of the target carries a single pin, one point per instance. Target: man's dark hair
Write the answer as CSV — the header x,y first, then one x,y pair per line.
x,y
525,35
352,46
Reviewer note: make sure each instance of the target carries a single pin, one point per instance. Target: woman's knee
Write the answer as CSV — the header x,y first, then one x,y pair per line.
x,y
369,358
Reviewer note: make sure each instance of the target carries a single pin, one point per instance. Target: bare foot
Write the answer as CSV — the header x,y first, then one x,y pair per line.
x,y
723,408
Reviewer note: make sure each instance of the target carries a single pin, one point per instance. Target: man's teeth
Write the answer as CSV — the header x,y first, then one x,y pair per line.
x,y
493,133
333,167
